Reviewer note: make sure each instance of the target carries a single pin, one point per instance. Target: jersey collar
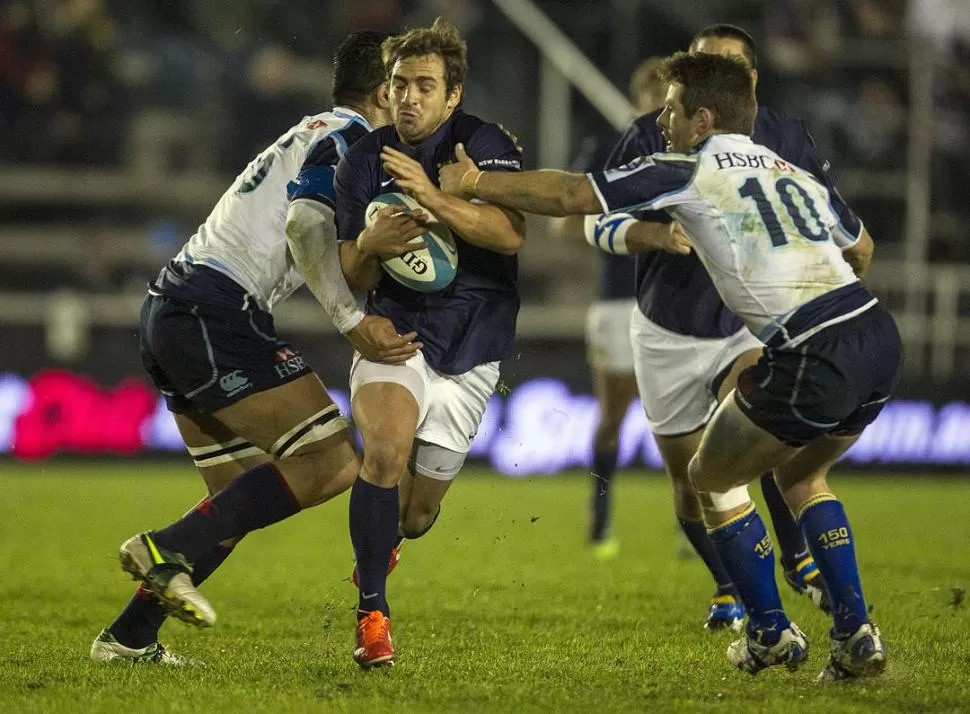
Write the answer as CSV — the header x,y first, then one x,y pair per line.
x,y
352,115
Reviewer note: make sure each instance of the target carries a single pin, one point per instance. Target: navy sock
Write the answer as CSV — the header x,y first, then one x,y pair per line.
x,y
829,535
604,466
138,624
791,543
746,551
256,499
374,514
696,533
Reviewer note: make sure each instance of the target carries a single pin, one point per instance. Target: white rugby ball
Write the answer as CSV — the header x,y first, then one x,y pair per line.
x,y
426,269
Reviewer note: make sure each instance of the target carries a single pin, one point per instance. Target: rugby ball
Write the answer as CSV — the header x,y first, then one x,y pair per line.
x,y
426,269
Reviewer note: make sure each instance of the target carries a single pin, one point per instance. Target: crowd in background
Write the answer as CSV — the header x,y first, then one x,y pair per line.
x,y
92,82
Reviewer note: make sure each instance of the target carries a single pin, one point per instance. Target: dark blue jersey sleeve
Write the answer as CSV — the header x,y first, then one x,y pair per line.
x,y
594,153
493,149
642,138
806,156
352,189
646,183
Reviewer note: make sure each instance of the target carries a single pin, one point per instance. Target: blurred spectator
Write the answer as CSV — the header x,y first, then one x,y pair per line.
x,y
872,128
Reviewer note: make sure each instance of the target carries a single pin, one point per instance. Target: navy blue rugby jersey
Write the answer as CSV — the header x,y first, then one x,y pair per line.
x,y
675,291
617,272
472,321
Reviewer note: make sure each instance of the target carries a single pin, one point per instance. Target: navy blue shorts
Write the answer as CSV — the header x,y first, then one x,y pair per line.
x,y
836,382
204,357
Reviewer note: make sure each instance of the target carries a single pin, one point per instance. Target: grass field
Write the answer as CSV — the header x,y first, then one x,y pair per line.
x,y
499,608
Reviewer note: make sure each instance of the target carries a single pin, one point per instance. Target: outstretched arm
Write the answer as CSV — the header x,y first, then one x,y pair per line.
x,y
547,192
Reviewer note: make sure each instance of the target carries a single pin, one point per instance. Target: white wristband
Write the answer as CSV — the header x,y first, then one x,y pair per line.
x,y
607,231
345,320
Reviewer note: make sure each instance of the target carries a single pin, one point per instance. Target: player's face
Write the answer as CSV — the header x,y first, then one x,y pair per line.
x,y
680,131
726,47
420,101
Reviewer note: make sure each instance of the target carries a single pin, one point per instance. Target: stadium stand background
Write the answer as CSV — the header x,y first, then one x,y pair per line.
x,y
122,122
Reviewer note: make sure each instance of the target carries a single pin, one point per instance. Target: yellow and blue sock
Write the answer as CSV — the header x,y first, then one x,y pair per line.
x,y
826,527
745,549
791,544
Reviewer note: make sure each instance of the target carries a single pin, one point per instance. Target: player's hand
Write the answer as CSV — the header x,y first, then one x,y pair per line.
x,y
450,176
649,235
391,232
676,240
377,340
409,174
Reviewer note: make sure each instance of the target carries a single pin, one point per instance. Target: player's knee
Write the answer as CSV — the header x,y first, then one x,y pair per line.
x,y
384,463
697,475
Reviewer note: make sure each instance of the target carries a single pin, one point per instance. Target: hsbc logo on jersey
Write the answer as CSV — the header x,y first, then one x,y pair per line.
x,y
288,362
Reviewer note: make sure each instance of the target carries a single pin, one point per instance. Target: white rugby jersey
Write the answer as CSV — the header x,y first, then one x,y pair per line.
x,y
244,237
764,229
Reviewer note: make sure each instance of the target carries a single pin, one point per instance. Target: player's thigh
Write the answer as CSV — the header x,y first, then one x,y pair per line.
x,y
299,425
673,376
387,402
730,380
806,473
282,420
733,451
219,454
454,407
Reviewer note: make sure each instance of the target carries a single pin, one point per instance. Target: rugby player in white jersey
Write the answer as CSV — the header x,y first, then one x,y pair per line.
x,y
689,348
767,234
258,423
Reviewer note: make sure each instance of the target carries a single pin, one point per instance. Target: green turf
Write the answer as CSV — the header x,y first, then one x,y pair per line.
x,y
499,608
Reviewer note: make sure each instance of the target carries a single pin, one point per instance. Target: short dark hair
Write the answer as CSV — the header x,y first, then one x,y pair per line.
x,y
442,39
726,31
722,85
358,66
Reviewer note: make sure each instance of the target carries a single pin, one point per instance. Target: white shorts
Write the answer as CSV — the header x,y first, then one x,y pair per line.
x,y
450,408
608,345
676,373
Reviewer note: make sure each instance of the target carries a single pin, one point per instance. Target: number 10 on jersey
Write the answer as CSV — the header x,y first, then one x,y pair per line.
x,y
784,187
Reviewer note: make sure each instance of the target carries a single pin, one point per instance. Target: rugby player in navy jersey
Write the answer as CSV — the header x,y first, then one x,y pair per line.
x,y
425,413
608,347
258,423
689,348
787,263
